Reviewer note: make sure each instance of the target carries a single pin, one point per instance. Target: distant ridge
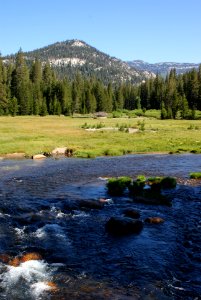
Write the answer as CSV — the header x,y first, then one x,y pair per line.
x,y
162,68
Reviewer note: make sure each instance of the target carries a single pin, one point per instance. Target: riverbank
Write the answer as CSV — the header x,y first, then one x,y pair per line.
x,y
30,135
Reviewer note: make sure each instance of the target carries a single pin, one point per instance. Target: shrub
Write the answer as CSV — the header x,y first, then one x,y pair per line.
x,y
141,125
117,114
117,186
100,125
195,175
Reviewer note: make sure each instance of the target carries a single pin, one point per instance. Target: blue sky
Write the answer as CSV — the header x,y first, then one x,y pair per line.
x,y
151,30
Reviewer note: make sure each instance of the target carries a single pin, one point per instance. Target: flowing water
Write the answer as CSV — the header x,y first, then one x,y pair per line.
x,y
39,213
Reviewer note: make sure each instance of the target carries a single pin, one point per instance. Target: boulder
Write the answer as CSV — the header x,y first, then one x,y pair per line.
x,y
15,262
31,256
16,155
91,204
132,213
5,258
123,225
38,156
106,201
59,151
154,220
53,286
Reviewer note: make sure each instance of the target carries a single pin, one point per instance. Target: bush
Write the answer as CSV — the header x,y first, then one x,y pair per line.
x,y
195,175
117,186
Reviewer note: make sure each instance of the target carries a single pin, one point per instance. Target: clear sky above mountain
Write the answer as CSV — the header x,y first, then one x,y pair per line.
x,y
151,30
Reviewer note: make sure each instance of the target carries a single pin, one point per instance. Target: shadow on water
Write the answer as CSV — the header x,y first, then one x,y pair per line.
x,y
40,212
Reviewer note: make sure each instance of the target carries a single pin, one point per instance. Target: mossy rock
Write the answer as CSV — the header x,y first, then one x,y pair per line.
x,y
195,175
158,183
117,186
168,183
138,185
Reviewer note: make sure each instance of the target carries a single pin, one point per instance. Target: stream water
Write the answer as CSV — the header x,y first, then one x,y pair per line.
x,y
39,212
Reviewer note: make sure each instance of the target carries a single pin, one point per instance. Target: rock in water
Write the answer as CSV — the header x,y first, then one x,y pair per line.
x,y
154,220
91,204
123,226
132,213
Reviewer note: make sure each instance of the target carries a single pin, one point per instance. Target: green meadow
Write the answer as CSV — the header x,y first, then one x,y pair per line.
x,y
89,137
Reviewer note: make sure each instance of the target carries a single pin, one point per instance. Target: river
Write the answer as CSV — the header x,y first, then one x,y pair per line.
x,y
39,213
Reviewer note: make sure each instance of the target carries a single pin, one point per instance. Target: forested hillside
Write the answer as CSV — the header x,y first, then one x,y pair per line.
x,y
75,56
35,89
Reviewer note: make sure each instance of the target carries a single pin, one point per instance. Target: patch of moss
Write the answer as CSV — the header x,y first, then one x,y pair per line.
x,y
195,175
117,186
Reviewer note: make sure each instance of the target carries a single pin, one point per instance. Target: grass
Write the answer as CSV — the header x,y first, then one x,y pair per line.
x,y
34,134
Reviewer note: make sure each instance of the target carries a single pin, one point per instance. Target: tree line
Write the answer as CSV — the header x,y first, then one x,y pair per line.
x,y
32,88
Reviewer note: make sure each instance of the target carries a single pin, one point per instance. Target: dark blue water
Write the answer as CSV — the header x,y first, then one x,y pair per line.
x,y
40,212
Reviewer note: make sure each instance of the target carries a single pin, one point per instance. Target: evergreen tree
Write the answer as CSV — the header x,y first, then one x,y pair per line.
x,y
3,91
20,85
163,111
13,106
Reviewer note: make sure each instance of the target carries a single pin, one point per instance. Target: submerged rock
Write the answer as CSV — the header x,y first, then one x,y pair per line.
x,y
132,213
154,220
91,204
53,286
123,225
5,258
31,256
153,198
16,261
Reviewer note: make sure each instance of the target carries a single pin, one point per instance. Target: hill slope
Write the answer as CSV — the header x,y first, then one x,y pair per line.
x,y
73,56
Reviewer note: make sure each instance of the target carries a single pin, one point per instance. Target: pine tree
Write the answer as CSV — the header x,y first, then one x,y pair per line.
x,y
13,106
3,91
163,111
20,85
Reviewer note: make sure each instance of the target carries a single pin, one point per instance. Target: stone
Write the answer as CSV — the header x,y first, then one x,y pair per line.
x,y
91,204
154,220
38,156
106,201
16,155
131,213
52,285
123,226
59,151
31,256
5,258
15,262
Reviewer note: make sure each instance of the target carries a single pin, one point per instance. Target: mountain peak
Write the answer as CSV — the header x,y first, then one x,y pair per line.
x,y
78,43
73,56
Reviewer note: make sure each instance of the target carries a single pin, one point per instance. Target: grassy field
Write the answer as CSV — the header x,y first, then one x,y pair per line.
x,y
33,134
